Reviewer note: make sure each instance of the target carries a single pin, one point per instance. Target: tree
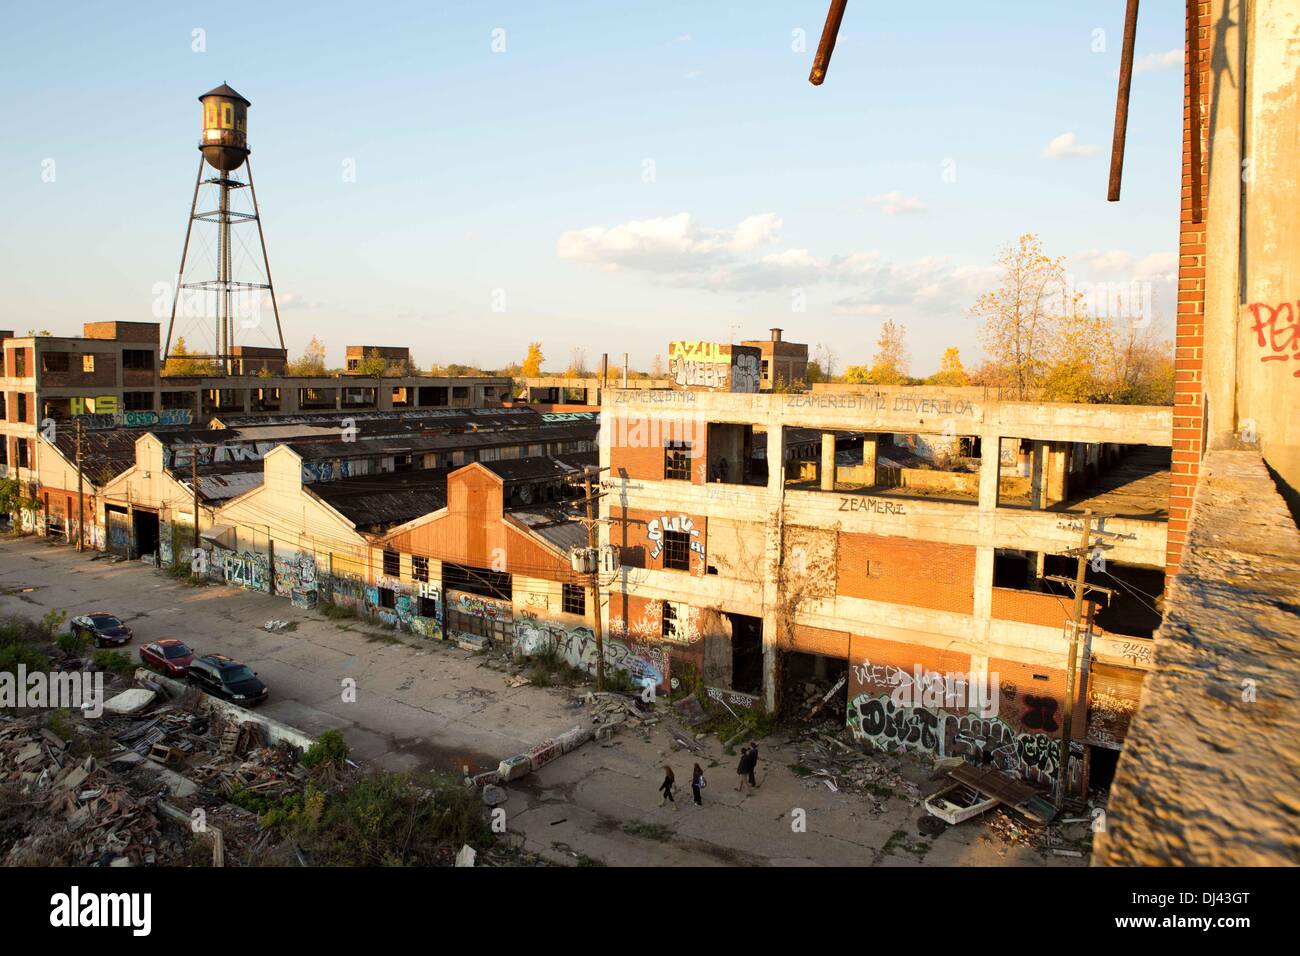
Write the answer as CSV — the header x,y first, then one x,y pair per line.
x,y
179,362
1140,367
373,365
1080,346
827,360
951,371
1020,315
577,364
889,364
312,361
532,365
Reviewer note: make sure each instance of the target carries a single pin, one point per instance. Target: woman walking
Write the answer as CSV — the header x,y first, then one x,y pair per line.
x,y
698,783
667,788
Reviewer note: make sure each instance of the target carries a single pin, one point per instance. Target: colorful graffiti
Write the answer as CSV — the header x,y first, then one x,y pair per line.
x,y
245,569
1035,756
295,572
476,606
168,416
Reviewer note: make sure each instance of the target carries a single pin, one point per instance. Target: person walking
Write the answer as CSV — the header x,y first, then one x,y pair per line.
x,y
742,768
667,788
753,762
698,783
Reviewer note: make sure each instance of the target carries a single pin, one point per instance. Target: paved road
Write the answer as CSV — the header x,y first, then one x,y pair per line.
x,y
429,705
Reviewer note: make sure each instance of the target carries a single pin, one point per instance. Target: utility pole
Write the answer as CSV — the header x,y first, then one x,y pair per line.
x,y
1077,626
81,498
194,481
594,582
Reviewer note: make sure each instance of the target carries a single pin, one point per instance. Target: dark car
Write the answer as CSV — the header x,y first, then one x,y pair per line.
x,y
105,629
169,656
228,679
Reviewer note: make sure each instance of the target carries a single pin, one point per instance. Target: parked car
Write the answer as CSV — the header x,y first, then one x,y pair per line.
x,y
103,628
169,656
228,679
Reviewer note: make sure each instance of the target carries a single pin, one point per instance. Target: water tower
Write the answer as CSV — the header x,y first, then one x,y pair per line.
x,y
219,305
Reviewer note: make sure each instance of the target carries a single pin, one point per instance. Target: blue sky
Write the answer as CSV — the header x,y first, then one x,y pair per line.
x,y
620,175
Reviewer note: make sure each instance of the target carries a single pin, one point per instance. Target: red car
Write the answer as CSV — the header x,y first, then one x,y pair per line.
x,y
169,656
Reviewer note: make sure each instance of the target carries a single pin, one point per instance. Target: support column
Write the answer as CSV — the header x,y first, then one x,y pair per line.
x,y
1056,473
870,443
828,461
1037,467
772,557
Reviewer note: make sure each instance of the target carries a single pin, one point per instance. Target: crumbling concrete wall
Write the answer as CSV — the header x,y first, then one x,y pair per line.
x,y
1210,774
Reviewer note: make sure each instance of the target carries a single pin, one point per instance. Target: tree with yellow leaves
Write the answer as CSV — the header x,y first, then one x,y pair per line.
x,y
951,371
532,365
1020,316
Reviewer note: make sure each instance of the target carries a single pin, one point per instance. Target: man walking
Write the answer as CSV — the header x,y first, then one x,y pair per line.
x,y
744,768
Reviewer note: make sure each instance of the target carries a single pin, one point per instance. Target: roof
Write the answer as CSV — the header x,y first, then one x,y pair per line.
x,y
225,90
383,500
557,525
538,468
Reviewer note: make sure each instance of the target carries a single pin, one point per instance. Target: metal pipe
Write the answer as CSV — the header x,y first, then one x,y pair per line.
x,y
1121,102
830,32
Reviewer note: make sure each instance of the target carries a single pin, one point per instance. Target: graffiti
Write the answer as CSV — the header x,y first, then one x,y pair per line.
x,y
881,402
986,741
577,646
873,505
690,373
326,470
744,374
1040,713
168,416
568,416
699,351
245,569
734,698
1137,652
953,690
294,573
658,526
476,606
1278,333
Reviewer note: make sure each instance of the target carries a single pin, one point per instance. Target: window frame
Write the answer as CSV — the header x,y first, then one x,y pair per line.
x,y
676,555
677,460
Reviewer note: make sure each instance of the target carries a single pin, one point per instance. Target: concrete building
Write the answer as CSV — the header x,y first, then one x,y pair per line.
x,y
393,356
782,364
110,376
752,571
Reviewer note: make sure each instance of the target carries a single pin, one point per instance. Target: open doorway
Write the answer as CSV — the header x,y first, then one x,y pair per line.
x,y
746,653
145,529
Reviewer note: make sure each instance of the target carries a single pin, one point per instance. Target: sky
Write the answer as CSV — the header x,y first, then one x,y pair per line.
x,y
467,177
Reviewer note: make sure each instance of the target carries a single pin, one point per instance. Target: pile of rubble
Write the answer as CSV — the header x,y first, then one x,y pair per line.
x,y
103,795
817,700
609,711
829,762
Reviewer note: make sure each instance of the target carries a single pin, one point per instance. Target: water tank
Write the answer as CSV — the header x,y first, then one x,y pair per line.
x,y
225,128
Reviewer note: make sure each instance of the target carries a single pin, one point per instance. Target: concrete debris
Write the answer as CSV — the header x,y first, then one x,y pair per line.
x,y
275,625
466,856
825,760
519,680
690,711
820,700
494,796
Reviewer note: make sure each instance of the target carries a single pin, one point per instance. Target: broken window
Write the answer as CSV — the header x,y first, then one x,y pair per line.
x,y
575,599
674,620
677,550
420,568
392,564
677,461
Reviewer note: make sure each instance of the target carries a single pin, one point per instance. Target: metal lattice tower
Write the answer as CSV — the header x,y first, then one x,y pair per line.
x,y
224,149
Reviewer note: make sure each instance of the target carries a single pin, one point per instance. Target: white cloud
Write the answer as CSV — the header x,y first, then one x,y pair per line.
x,y
1065,145
755,231
1152,62
895,203
1158,265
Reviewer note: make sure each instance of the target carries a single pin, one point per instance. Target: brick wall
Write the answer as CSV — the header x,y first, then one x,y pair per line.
x,y
901,571
633,532
1034,607
1189,418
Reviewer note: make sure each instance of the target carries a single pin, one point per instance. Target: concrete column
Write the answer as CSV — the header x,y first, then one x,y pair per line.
x,y
772,556
870,443
1056,473
1037,466
828,461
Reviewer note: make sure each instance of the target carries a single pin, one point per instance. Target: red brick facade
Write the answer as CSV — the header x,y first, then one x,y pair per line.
x,y
901,571
1189,411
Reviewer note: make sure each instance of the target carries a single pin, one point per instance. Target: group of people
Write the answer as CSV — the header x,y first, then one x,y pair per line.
x,y
744,770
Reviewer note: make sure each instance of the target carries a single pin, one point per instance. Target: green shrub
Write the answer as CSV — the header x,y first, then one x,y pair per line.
x,y
114,661
329,750
72,644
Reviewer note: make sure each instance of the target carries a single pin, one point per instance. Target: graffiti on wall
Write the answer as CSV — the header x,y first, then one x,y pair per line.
x,y
476,606
577,646
1277,331
744,374
168,416
245,569
681,523
295,577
